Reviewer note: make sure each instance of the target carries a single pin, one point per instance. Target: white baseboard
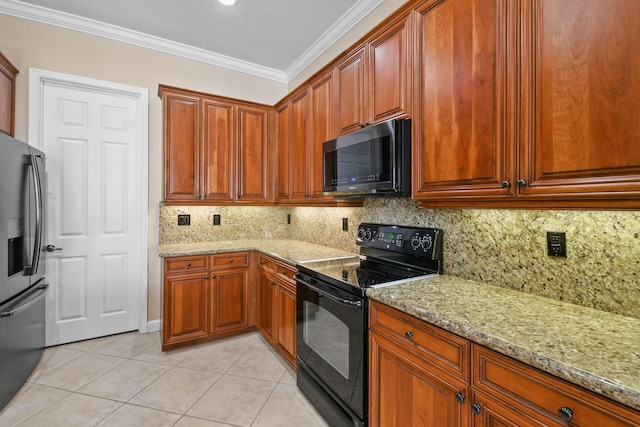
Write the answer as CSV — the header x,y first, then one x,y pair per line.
x,y
153,325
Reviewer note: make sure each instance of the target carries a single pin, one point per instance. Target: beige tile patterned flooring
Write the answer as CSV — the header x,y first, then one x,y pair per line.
x,y
126,380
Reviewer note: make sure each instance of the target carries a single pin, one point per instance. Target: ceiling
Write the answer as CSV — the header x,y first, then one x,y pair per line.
x,y
275,39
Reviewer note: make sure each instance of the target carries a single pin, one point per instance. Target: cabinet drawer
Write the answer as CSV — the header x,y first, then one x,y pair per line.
x,y
434,345
266,263
236,259
285,271
186,263
536,392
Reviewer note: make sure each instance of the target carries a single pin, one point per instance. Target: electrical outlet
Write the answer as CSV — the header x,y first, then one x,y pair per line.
x,y
216,219
345,224
556,244
288,218
184,219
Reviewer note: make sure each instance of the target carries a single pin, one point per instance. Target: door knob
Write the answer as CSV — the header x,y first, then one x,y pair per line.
x,y
51,248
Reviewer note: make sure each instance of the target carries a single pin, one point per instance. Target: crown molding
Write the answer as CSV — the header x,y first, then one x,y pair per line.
x,y
72,22
89,26
358,12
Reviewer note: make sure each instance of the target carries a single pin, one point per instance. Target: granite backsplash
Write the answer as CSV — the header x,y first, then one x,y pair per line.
x,y
506,248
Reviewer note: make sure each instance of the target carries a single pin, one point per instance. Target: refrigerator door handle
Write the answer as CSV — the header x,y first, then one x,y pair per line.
x,y
37,186
34,299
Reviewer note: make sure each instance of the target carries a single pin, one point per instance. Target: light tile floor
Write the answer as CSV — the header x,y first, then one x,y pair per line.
x,y
126,380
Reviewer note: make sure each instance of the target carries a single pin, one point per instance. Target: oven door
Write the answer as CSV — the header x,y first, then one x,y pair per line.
x,y
331,341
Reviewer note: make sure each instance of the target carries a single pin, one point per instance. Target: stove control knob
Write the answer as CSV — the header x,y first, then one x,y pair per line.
x,y
415,242
361,233
367,234
427,242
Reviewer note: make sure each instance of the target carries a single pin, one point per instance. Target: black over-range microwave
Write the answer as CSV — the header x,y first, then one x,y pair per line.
x,y
372,161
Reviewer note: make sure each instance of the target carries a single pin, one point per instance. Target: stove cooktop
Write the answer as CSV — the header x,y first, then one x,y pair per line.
x,y
361,272
389,255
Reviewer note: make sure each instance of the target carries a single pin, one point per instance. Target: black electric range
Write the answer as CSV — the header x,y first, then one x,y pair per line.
x,y
389,254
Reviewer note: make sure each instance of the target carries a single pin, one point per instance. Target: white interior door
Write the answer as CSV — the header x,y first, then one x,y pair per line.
x,y
93,147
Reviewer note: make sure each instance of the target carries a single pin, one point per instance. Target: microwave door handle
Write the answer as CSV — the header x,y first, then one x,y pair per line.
x,y
37,186
357,303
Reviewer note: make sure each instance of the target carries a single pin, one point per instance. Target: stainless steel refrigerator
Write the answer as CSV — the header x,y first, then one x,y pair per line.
x,y
22,263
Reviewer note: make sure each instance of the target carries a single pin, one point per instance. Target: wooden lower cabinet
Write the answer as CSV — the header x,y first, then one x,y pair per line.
x,y
277,306
205,296
511,390
418,374
404,391
185,316
285,340
416,379
230,300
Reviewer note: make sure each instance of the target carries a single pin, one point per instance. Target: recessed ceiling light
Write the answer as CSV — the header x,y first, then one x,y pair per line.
x,y
228,2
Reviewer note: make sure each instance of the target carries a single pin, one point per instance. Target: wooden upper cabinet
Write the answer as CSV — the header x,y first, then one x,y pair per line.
x,y
580,100
253,175
322,129
218,141
216,149
182,147
463,138
283,146
350,92
299,147
389,77
373,82
7,95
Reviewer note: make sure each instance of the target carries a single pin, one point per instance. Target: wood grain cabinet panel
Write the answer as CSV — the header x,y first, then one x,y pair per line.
x,y
322,130
527,104
283,150
299,171
540,396
411,383
580,109
8,75
463,140
218,135
185,308
277,306
253,155
182,147
230,300
373,81
216,149
204,297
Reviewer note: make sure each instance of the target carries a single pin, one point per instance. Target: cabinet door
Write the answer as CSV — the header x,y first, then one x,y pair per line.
x,y
322,129
230,300
266,300
298,150
580,108
463,135
286,321
218,140
403,392
283,145
7,95
350,93
489,412
253,154
182,148
389,65
185,308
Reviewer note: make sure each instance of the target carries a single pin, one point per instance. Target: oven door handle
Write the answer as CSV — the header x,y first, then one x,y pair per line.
x,y
356,302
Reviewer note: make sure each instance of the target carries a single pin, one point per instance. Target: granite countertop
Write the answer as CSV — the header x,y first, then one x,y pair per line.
x,y
594,349
286,250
